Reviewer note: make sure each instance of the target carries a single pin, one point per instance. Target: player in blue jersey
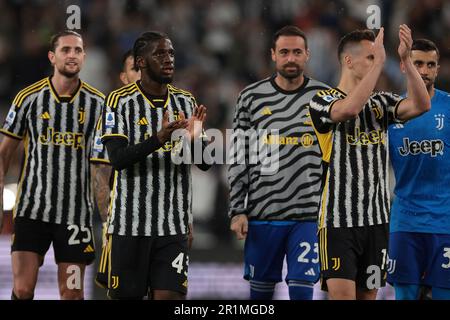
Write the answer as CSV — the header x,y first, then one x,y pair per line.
x,y
419,249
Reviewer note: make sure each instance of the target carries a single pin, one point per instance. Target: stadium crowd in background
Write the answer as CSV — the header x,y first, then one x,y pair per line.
x,y
217,59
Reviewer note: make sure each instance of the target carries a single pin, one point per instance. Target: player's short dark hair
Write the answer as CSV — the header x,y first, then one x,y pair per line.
x,y
354,37
125,56
425,45
289,31
64,33
142,44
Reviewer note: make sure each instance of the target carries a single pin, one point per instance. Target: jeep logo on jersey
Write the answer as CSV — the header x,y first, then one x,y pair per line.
x,y
69,139
433,147
366,138
326,94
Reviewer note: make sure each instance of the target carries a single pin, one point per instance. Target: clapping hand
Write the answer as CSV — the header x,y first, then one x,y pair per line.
x,y
195,122
404,48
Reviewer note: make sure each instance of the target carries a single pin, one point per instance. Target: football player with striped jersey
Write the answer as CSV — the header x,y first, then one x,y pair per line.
x,y
151,202
351,123
102,175
56,119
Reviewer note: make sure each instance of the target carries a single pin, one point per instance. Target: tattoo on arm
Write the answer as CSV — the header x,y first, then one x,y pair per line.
x,y
102,174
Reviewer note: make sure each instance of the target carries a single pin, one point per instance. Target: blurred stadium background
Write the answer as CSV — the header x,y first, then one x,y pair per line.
x,y
221,46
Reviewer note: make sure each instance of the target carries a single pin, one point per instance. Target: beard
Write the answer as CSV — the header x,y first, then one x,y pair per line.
x,y
69,73
158,77
290,74
428,83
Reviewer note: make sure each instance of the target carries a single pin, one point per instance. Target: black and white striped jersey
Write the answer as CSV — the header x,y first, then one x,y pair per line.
x,y
154,196
356,191
58,132
99,153
280,119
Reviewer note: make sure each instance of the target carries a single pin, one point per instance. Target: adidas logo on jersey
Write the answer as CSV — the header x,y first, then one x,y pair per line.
x,y
398,126
310,272
143,121
308,119
266,111
45,116
88,249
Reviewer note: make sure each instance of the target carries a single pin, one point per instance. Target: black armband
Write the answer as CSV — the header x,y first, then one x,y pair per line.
x,y
121,155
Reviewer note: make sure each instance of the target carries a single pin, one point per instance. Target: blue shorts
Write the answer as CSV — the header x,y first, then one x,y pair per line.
x,y
419,258
268,243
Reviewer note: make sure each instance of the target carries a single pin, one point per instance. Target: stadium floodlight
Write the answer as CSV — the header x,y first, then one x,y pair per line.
x,y
9,196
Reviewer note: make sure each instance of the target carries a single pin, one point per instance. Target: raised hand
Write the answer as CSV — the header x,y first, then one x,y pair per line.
x,y
406,41
379,51
195,123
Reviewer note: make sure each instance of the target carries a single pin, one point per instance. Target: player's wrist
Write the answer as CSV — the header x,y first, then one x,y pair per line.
x,y
163,136
407,62
237,216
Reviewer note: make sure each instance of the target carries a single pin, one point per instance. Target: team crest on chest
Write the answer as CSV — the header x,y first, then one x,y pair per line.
x,y
440,121
81,115
377,110
176,115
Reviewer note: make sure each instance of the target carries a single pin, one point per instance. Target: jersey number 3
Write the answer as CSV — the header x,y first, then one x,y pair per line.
x,y
446,255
